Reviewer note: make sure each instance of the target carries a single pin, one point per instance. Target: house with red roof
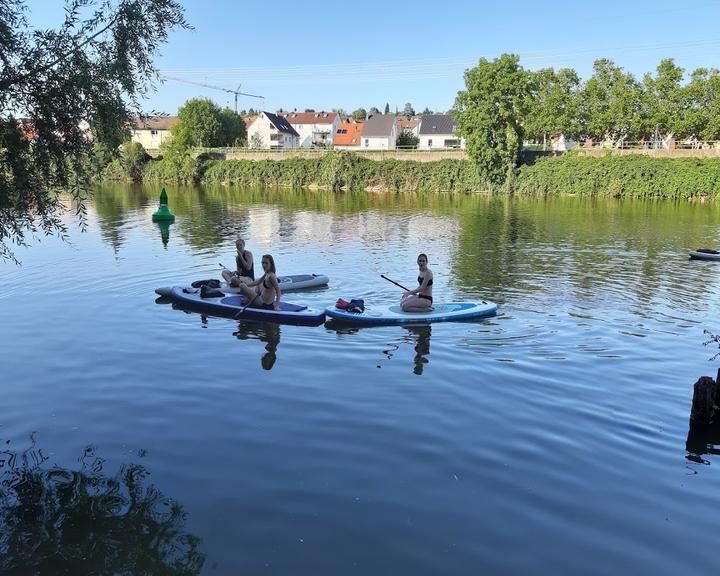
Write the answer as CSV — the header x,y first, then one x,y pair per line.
x,y
315,129
348,134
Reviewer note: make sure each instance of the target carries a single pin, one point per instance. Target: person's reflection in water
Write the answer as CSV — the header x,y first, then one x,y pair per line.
x,y
421,335
84,520
265,332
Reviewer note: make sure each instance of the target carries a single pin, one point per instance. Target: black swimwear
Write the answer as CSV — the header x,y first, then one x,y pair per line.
x,y
263,306
242,271
263,282
426,298
420,279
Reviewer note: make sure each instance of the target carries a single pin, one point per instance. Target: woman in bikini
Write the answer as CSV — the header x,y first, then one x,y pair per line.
x,y
420,299
245,269
265,291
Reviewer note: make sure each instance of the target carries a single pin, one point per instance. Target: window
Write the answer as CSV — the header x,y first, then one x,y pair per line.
x,y
452,143
153,132
367,142
430,143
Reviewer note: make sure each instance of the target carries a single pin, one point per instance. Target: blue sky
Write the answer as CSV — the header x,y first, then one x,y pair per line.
x,y
324,55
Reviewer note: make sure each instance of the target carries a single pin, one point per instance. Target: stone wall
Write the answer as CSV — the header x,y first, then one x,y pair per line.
x,y
417,155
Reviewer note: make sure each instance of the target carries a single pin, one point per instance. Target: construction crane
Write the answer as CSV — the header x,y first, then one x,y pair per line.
x,y
235,92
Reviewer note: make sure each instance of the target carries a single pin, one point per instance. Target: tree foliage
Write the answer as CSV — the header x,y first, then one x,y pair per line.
x,y
611,100
490,114
359,114
554,106
373,111
92,69
387,108
406,139
133,158
408,110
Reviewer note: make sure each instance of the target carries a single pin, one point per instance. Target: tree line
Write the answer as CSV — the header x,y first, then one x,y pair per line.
x,y
504,104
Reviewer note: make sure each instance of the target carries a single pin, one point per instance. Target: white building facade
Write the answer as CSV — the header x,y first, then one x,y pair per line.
x,y
269,130
379,133
315,129
437,131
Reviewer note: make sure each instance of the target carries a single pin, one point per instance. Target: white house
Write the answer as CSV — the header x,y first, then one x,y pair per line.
x,y
438,131
269,130
379,133
314,128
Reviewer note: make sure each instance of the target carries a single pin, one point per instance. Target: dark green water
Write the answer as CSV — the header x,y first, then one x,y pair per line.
x,y
135,438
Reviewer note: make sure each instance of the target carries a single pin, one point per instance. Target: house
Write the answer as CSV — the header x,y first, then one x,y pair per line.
x,y
405,124
151,132
379,132
438,131
348,135
269,130
314,128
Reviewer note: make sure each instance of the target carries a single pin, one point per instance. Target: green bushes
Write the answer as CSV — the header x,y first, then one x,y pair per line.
x,y
346,170
633,176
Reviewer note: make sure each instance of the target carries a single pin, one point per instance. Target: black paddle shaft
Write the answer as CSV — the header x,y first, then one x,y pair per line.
x,y
393,281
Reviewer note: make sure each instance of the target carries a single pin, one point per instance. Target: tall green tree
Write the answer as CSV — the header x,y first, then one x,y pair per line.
x,y
612,103
234,131
701,119
490,113
554,106
92,68
664,100
408,110
387,108
373,111
359,114
199,124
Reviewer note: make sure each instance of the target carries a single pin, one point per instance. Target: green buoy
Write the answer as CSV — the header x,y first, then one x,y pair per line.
x,y
163,213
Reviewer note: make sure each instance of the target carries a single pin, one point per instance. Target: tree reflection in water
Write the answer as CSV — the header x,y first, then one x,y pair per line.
x,y
265,332
63,521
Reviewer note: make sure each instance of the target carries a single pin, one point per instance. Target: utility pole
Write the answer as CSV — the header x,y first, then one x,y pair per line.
x,y
236,93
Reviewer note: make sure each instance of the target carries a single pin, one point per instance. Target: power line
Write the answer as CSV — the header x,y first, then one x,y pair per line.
x,y
235,92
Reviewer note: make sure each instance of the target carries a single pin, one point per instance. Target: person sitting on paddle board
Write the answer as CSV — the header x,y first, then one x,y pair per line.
x,y
420,299
265,291
245,272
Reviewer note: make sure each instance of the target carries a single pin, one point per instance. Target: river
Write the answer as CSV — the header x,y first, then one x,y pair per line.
x,y
550,438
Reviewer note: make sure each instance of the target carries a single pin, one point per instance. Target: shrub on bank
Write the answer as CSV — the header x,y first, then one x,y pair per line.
x,y
633,176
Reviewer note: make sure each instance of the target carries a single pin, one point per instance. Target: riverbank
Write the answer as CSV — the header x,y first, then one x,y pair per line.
x,y
633,176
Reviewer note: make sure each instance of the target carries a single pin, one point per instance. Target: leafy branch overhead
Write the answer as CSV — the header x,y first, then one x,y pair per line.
x,y
58,87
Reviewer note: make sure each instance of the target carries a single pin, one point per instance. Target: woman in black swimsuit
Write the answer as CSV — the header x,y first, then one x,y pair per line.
x,y
245,269
265,291
420,299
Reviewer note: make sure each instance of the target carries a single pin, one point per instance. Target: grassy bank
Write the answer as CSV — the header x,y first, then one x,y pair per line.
x,y
633,176
617,176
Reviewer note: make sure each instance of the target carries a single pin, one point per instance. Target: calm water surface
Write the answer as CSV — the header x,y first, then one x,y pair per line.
x,y
548,439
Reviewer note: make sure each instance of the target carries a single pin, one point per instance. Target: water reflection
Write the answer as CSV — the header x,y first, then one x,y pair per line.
x,y
417,336
265,332
421,337
164,228
84,520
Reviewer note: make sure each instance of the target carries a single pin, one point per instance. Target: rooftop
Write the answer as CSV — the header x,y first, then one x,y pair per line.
x,y
154,123
309,117
437,124
348,133
379,126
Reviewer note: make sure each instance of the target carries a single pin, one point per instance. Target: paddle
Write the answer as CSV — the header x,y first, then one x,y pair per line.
x,y
245,307
396,284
